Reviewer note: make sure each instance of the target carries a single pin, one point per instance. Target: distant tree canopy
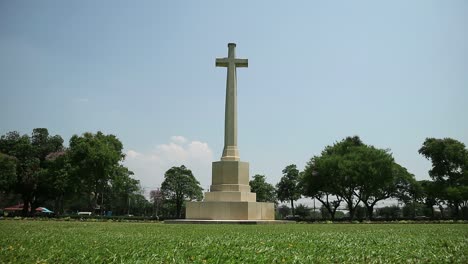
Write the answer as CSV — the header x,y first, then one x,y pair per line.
x,y
157,198
30,155
86,176
449,171
265,191
7,172
89,175
353,172
288,189
95,159
180,185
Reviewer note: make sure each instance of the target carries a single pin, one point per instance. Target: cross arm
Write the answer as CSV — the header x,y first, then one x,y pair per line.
x,y
223,62
244,63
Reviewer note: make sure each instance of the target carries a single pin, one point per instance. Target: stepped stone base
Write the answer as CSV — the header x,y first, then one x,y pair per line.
x,y
230,197
224,210
229,222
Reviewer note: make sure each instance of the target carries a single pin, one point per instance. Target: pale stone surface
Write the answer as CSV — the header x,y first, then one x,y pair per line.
x,y
229,222
230,188
230,197
230,211
230,172
230,151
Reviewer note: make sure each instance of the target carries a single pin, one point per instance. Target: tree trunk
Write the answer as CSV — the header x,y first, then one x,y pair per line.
x,y
351,210
332,214
58,205
61,210
331,211
327,206
292,208
26,202
91,202
370,211
442,214
456,209
178,208
34,205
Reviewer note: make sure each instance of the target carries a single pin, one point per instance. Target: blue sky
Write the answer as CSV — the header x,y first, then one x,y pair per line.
x,y
391,72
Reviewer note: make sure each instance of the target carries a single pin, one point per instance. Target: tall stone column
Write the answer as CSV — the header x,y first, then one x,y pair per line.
x,y
229,197
230,151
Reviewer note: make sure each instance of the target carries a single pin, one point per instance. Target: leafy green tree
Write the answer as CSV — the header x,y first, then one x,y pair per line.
x,y
382,178
30,153
48,179
430,195
411,195
288,189
44,144
449,159
139,205
19,146
94,158
43,172
283,211
325,213
408,190
7,172
360,212
341,162
353,172
413,210
321,187
376,176
55,183
121,191
180,185
389,212
157,198
265,191
302,211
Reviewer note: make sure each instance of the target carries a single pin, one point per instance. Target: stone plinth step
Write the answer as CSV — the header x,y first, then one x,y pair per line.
x,y
224,210
232,222
230,197
230,188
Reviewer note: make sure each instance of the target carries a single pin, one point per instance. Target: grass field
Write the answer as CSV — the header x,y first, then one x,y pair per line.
x,y
112,242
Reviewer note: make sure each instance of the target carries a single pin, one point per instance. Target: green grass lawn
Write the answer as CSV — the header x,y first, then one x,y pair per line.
x,y
111,242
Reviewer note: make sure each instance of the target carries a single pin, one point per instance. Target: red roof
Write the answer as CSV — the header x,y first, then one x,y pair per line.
x,y
19,207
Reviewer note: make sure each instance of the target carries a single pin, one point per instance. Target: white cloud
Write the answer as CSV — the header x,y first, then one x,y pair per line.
x,y
199,151
150,167
178,139
131,154
172,152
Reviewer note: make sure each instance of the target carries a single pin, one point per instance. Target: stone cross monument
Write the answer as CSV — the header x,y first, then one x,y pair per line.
x,y
230,151
229,197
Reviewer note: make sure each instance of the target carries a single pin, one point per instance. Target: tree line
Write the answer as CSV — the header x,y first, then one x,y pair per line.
x,y
358,176
88,175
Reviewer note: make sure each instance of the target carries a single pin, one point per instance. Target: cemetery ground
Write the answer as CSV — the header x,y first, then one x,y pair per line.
x,y
23,241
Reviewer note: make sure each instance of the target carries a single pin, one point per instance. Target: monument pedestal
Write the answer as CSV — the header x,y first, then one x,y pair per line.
x,y
230,197
230,211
